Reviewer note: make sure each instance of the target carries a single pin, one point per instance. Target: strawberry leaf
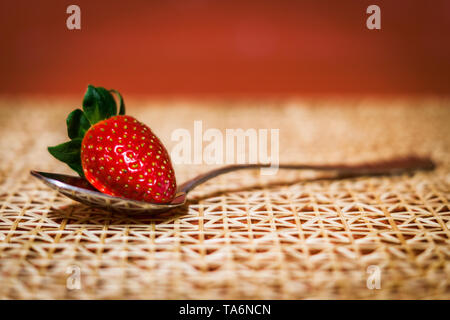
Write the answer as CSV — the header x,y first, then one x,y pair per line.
x,y
98,104
107,102
77,124
69,153
122,103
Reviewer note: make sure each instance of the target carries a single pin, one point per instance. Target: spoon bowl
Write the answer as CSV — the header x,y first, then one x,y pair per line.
x,y
80,190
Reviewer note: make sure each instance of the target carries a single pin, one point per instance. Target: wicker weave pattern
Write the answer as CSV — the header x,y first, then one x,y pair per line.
x,y
242,235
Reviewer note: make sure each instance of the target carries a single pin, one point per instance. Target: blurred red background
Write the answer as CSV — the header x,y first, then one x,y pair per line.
x,y
199,47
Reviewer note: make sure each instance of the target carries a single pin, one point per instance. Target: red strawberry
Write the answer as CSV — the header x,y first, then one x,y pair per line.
x,y
117,154
122,157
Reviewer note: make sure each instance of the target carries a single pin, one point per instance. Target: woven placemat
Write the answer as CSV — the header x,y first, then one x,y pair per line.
x,y
242,235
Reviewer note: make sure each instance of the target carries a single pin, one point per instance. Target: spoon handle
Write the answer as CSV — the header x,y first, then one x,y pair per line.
x,y
385,167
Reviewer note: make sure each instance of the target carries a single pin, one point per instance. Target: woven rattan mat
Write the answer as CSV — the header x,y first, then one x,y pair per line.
x,y
242,235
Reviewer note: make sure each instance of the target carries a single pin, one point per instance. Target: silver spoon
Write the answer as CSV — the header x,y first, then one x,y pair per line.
x,y
80,190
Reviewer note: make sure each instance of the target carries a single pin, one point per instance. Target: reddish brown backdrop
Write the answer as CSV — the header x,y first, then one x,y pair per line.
x,y
226,47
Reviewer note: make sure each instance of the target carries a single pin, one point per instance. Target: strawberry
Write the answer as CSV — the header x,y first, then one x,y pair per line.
x,y
117,154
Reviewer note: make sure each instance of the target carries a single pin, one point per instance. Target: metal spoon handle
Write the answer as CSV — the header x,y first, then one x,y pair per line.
x,y
386,167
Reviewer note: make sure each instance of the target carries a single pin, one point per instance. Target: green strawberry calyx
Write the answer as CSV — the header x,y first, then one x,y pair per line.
x,y
98,104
